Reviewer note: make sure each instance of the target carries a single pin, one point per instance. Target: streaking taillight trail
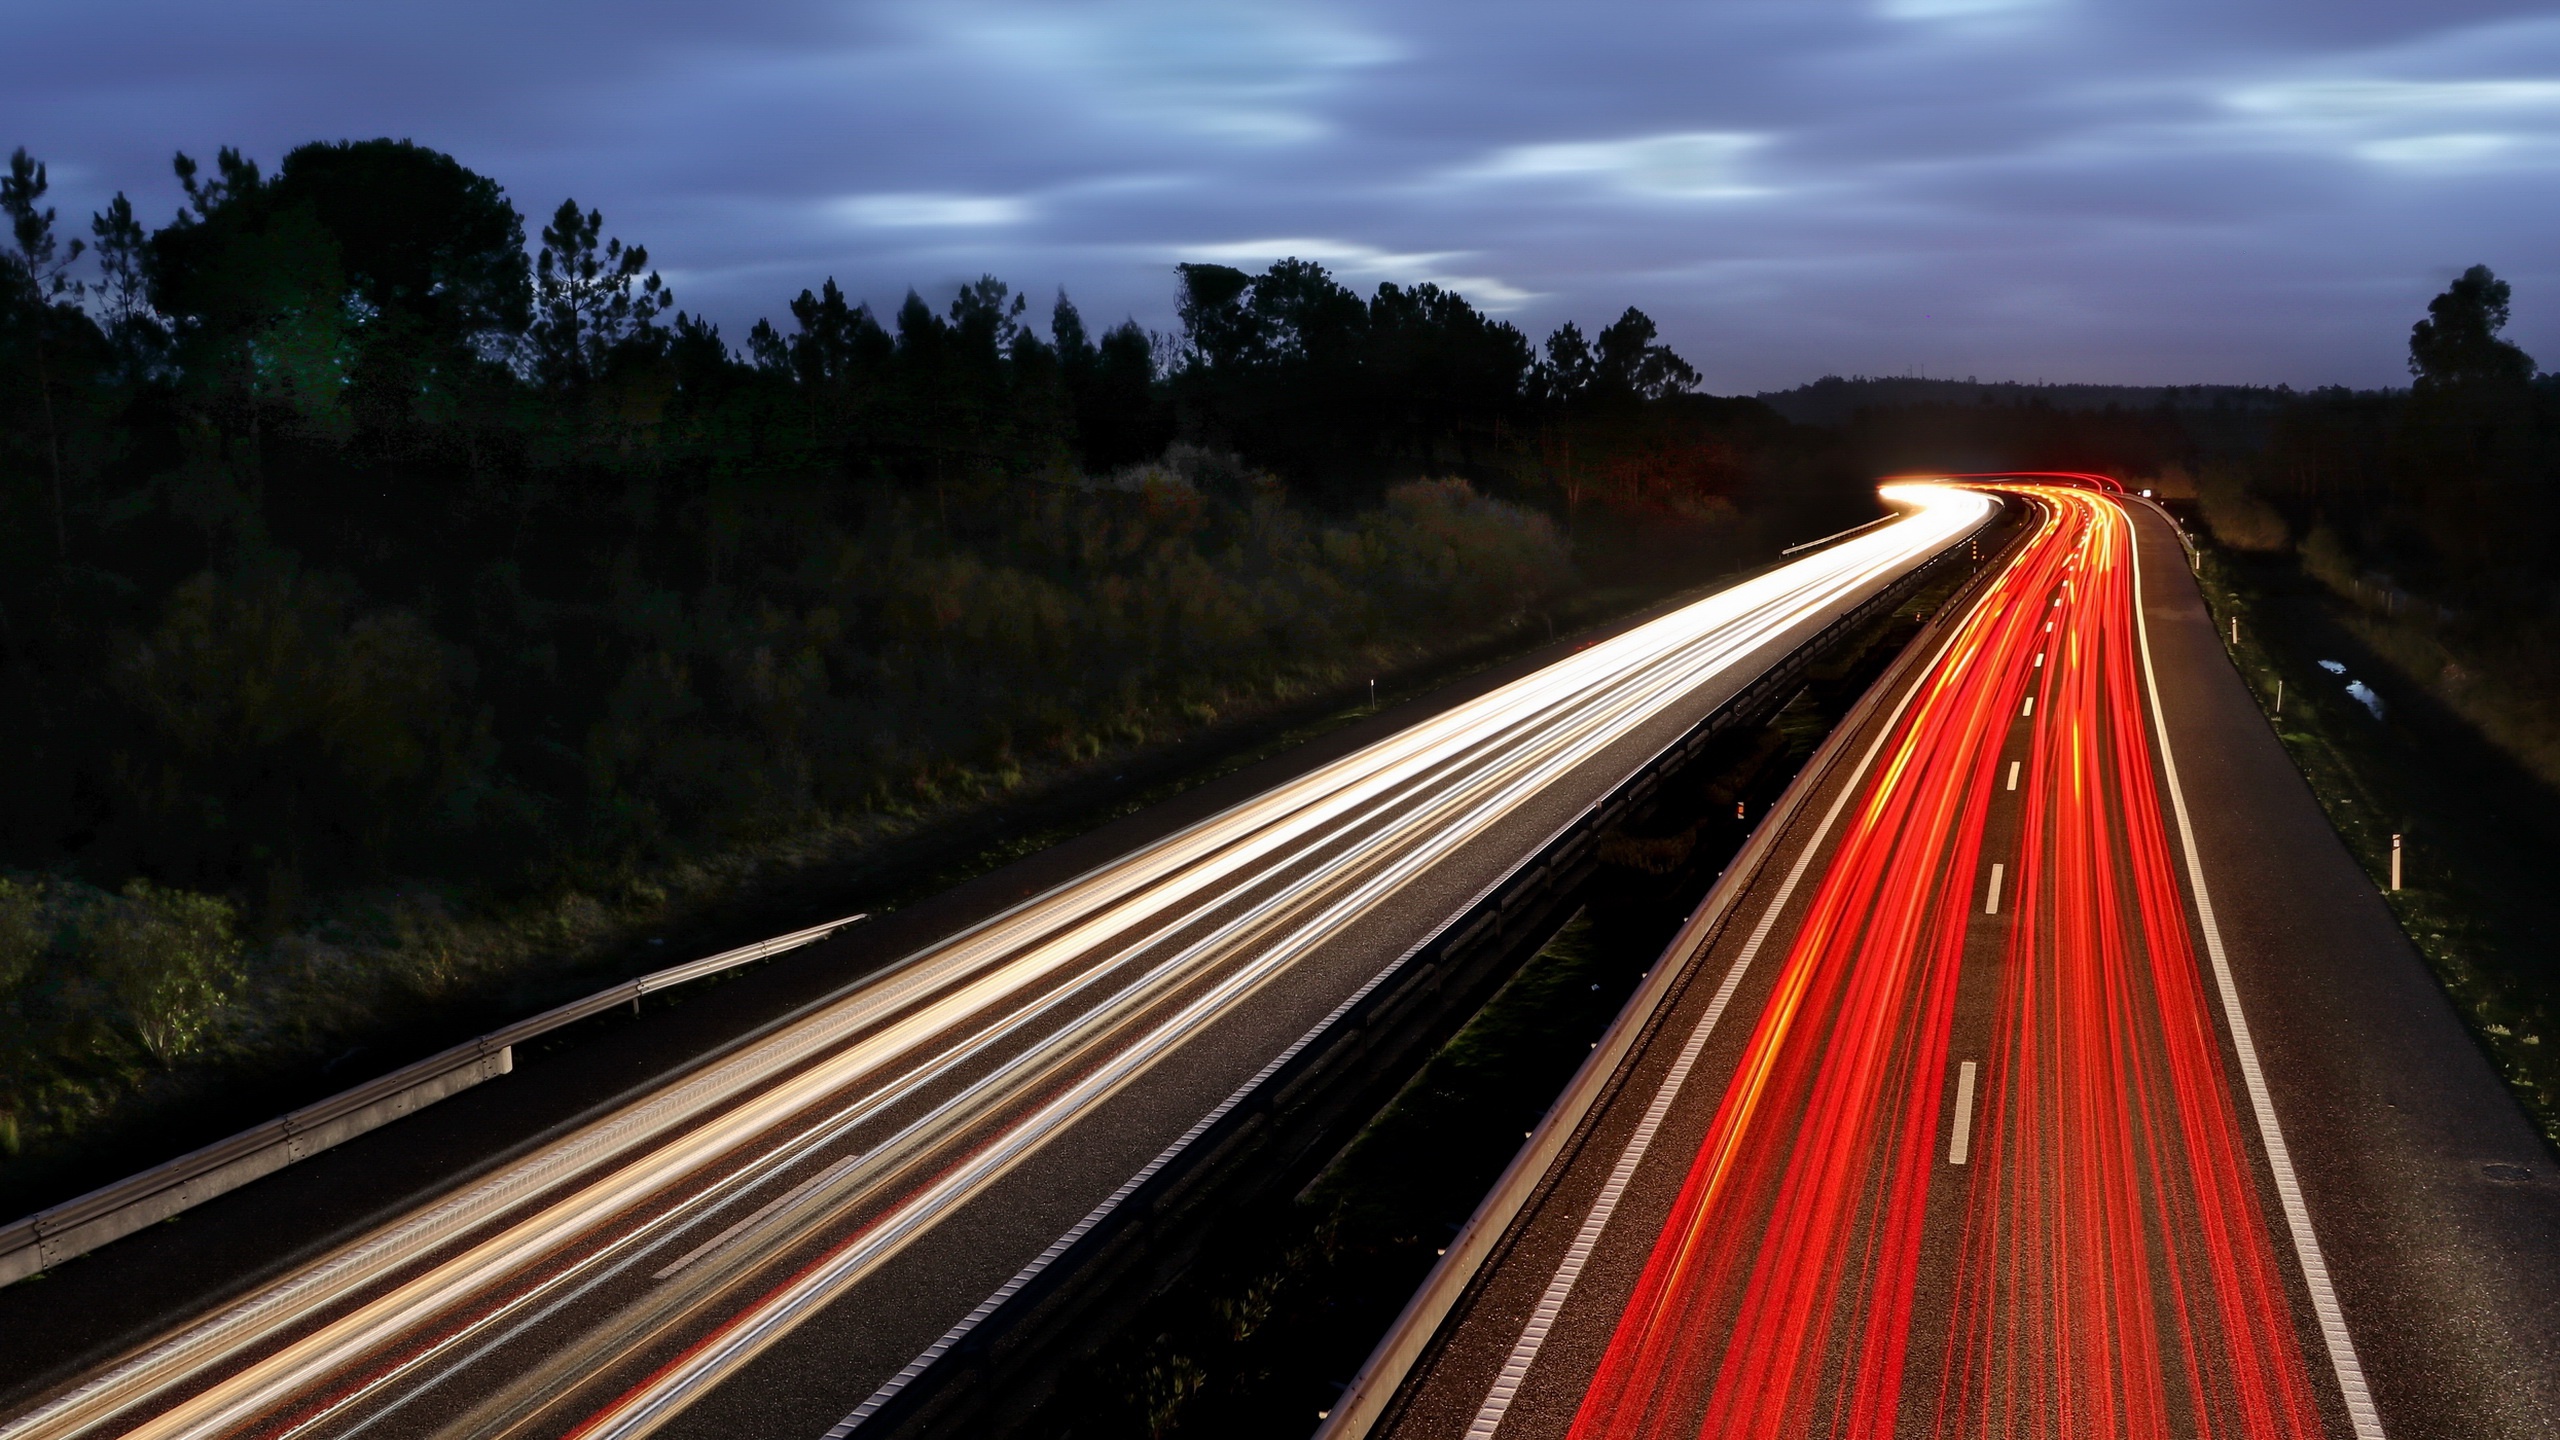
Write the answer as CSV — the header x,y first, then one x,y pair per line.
x,y
2114,1272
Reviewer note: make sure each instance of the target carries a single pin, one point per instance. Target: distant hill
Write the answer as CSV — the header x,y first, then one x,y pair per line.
x,y
1832,400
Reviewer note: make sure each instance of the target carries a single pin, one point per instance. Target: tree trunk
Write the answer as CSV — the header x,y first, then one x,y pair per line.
x,y
53,450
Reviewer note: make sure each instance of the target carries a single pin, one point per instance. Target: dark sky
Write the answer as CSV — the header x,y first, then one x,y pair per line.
x,y
2169,190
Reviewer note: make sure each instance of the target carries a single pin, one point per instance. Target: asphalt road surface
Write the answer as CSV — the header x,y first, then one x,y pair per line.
x,y
2057,1074
762,1242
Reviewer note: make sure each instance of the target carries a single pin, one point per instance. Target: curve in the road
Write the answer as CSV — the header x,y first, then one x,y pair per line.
x,y
2090,1247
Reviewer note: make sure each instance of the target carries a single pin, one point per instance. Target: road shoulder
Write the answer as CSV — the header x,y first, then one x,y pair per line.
x,y
2435,1200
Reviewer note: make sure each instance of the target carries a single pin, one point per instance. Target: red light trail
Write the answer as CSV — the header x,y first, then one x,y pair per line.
x,y
2113,1269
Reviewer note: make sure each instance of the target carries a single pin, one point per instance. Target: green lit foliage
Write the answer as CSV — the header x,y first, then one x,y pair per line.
x,y
98,991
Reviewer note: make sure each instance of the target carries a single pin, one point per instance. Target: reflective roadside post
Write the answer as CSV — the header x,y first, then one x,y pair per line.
x,y
2395,864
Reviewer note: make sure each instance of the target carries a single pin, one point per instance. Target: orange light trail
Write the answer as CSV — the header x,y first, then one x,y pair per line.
x,y
2113,1267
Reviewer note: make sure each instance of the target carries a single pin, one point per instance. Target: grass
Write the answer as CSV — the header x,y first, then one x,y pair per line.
x,y
2477,858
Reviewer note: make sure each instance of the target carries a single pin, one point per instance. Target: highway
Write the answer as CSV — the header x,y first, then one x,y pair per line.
x,y
764,1241
1956,1123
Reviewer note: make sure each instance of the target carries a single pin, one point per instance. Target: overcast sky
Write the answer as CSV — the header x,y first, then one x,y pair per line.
x,y
2102,190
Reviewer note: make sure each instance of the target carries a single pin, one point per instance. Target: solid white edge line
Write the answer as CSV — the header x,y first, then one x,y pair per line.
x,y
1960,1143
1533,1336
2361,1414
1991,898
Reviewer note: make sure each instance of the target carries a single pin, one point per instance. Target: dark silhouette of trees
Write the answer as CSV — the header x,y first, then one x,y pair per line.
x,y
2458,346
356,564
594,302
37,271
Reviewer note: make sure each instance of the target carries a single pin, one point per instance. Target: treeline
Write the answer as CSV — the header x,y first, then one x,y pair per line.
x,y
2436,509
2447,487
368,566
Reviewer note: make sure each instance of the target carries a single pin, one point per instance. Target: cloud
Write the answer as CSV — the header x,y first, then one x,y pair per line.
x,y
1238,70
2424,126
1957,9
2389,101
916,212
1698,165
2440,152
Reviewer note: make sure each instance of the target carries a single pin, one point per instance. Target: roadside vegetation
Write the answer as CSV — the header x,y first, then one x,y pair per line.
x,y
2479,836
2406,542
407,611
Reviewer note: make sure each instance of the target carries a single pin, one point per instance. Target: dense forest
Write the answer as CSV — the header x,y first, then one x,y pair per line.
x,y
391,600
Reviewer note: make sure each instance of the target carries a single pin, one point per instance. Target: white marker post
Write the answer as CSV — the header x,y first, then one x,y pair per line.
x,y
2279,697
2235,630
2395,864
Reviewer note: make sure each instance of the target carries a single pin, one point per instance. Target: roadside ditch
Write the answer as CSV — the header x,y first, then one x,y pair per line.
x,y
2480,833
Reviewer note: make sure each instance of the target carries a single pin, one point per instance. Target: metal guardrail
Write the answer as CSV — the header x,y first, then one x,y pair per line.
x,y
1492,914
78,1226
1366,1401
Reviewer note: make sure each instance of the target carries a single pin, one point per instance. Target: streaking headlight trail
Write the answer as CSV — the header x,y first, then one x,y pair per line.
x,y
606,1282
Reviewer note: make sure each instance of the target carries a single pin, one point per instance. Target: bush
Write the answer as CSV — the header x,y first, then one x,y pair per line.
x,y
99,991
2240,519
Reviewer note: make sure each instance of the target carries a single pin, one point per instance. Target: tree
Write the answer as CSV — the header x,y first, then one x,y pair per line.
x,y
2458,345
259,302
1567,371
1628,362
421,240
986,322
1217,329
2467,446
1111,390
39,263
833,341
594,298
124,259
37,276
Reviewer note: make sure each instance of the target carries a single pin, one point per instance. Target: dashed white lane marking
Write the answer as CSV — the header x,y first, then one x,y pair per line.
x,y
2039,659
2031,708
1960,1144
2013,774
1991,901
1533,1336
2297,1216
